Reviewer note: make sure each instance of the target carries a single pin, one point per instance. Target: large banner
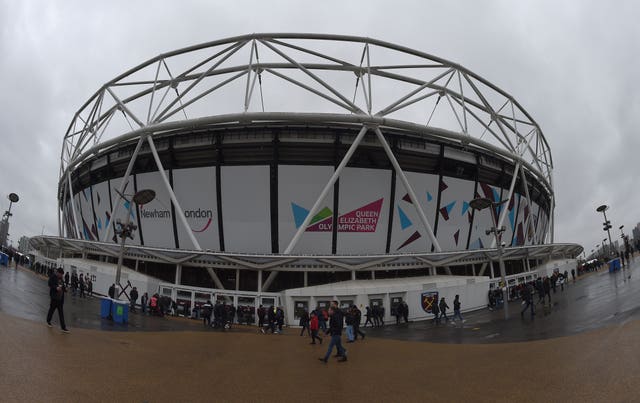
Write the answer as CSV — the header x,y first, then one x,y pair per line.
x,y
195,189
524,213
121,214
246,209
455,213
486,219
408,234
509,222
298,188
363,216
156,221
85,214
101,206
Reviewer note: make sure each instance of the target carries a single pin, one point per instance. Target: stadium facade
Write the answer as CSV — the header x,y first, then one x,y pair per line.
x,y
282,161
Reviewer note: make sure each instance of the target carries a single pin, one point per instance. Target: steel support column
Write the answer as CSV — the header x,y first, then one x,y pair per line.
x,y
174,199
408,188
73,205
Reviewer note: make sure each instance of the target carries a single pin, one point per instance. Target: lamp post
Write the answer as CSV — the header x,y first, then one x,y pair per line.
x,y
4,224
126,230
482,203
607,224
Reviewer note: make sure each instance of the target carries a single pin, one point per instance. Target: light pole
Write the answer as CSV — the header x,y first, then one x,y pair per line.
x,y
607,224
4,224
625,239
482,203
126,230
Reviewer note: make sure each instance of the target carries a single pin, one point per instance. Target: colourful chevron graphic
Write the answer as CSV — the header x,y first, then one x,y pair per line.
x,y
363,219
404,220
446,210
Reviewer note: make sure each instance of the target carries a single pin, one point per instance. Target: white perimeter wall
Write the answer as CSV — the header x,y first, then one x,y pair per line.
x,y
472,290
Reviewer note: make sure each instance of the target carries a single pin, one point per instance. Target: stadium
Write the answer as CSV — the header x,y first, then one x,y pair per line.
x,y
298,168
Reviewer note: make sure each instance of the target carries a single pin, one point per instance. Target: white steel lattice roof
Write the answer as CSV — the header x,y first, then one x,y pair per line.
x,y
306,78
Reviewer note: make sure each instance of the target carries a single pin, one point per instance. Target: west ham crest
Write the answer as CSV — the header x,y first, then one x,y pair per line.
x,y
428,298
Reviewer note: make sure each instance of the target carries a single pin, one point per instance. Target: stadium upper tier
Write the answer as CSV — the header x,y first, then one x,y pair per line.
x,y
322,144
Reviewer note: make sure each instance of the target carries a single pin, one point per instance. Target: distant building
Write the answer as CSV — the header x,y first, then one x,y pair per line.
x,y
4,232
23,244
636,232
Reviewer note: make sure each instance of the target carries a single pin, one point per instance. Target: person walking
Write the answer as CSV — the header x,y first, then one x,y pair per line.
x,y
527,300
443,309
304,323
456,308
357,318
262,313
405,311
348,318
546,285
435,311
322,318
368,315
82,286
134,298
335,330
144,301
376,314
56,292
207,309
314,326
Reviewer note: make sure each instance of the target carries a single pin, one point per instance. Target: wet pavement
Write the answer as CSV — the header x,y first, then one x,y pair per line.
x,y
25,294
596,300
43,364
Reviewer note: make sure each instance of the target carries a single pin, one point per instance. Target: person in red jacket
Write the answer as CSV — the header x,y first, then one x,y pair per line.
x,y
314,326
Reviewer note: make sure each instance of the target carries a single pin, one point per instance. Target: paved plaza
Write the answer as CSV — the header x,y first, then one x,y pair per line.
x,y
585,350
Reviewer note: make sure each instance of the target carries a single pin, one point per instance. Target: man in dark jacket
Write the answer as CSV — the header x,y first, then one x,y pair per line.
x,y
207,309
443,309
56,292
357,318
527,299
335,330
134,298
112,291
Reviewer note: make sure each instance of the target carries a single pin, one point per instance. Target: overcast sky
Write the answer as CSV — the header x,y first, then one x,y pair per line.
x,y
573,65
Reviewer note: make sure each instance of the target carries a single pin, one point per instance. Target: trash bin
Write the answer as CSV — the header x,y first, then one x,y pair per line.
x,y
120,311
614,265
105,307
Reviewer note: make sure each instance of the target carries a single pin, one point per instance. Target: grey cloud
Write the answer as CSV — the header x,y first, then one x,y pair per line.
x,y
572,65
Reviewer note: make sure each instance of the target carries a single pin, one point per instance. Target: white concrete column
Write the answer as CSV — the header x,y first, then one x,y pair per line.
x,y
259,282
306,279
373,274
178,274
237,279
387,307
353,274
137,262
473,269
492,274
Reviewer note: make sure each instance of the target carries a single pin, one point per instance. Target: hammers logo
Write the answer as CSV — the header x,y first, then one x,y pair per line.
x,y
428,298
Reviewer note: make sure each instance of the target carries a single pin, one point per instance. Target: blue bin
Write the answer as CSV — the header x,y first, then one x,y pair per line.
x,y
105,307
120,311
4,259
614,265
